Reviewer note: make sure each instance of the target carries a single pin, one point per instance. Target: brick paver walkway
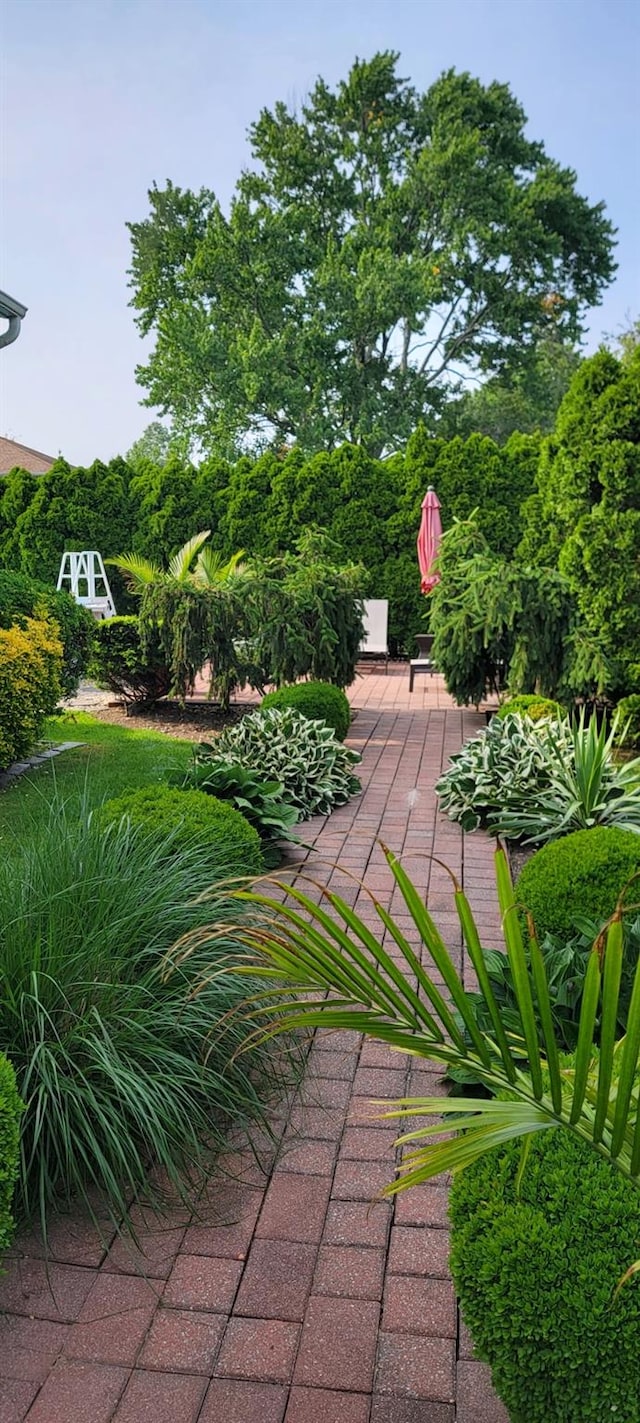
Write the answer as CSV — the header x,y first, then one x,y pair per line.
x,y
295,1297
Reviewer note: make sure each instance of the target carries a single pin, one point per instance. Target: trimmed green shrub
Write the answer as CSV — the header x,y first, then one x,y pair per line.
x,y
185,817
535,1263
532,707
11,1109
123,1043
317,700
580,876
314,769
119,663
628,723
22,597
30,664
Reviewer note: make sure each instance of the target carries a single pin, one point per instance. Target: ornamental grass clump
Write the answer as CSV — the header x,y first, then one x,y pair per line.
x,y
123,1047
313,768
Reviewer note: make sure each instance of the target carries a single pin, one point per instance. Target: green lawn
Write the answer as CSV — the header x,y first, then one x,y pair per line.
x,y
111,759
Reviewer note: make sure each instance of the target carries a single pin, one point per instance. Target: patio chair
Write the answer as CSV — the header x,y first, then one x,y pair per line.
x,y
424,661
376,621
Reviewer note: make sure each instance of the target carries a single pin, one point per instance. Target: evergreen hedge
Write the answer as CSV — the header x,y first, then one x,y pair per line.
x,y
370,509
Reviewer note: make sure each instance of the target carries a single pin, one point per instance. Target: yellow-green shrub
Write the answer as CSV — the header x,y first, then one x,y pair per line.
x,y
30,669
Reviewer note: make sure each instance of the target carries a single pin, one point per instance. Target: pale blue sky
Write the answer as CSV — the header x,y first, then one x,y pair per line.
x,y
102,97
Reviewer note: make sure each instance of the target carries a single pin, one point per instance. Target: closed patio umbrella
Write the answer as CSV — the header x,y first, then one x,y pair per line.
x,y
429,539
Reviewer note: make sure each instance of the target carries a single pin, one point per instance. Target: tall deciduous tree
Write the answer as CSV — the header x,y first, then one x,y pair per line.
x,y
382,241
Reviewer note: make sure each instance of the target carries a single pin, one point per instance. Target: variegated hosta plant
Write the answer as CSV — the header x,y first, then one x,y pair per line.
x,y
313,768
320,964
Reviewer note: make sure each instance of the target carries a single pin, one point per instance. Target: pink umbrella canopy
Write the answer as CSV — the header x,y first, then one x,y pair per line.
x,y
429,539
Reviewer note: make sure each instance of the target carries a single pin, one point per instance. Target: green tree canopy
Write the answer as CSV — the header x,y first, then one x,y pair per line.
x,y
152,446
381,241
526,401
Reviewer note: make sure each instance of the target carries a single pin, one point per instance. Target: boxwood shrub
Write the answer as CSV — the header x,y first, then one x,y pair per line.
x,y
231,845
535,1267
319,701
533,707
22,597
579,876
11,1109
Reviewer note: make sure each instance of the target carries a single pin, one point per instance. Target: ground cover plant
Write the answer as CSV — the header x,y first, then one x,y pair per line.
x,y
314,769
262,803
566,960
121,1063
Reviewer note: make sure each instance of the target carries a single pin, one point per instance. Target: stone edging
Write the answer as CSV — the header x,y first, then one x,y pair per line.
x,y
19,767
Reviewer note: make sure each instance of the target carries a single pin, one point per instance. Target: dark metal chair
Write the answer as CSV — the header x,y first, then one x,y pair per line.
x,y
423,662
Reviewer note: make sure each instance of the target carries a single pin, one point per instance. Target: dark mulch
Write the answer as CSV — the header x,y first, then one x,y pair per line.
x,y
195,721
518,855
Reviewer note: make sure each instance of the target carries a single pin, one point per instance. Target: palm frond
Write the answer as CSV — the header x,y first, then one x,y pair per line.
x,y
180,564
319,964
211,570
138,572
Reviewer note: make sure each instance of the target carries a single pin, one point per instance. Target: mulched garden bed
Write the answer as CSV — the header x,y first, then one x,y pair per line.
x,y
195,721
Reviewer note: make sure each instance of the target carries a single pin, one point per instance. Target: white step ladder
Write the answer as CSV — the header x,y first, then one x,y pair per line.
x,y
83,576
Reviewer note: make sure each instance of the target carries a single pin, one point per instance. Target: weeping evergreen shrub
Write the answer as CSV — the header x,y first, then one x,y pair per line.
x,y
195,626
496,623
307,614
298,615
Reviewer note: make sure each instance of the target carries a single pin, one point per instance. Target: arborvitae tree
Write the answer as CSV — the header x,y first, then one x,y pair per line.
x,y
585,517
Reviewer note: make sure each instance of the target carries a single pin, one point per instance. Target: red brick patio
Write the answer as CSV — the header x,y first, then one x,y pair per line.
x,y
291,1298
